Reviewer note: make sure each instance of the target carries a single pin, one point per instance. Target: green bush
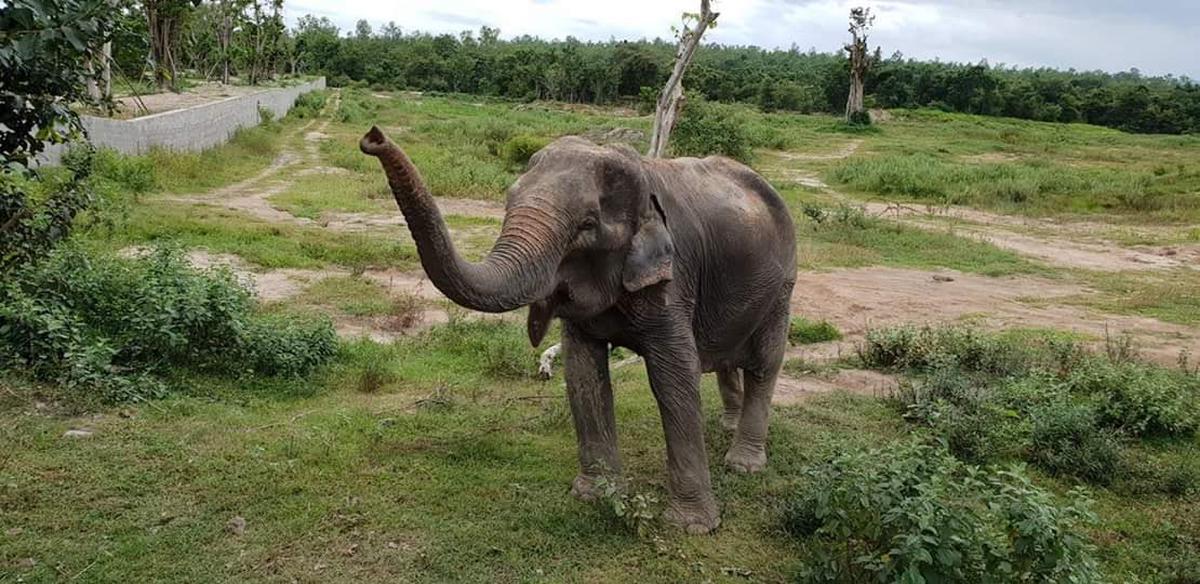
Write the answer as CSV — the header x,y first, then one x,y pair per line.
x,y
1141,399
706,128
1066,440
803,331
308,105
913,513
519,149
968,348
131,174
115,326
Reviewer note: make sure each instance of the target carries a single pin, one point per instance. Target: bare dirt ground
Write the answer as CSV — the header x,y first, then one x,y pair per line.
x,y
852,299
129,106
1067,244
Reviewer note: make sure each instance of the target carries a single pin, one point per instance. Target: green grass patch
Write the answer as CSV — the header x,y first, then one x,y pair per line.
x,y
846,237
803,331
264,244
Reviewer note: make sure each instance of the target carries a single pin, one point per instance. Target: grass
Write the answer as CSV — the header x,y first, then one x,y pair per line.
x,y
399,483
847,238
442,458
268,245
1027,167
804,331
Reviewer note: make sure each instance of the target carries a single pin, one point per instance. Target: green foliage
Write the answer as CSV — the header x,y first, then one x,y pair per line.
x,y
519,149
117,326
1066,440
635,512
706,128
37,214
635,71
803,331
134,175
308,105
1141,399
1034,183
44,53
963,347
913,513
1041,398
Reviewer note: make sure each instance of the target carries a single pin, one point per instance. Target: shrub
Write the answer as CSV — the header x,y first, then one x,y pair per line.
x,y
519,149
308,105
1141,399
133,174
114,326
706,128
1065,440
913,513
924,348
803,331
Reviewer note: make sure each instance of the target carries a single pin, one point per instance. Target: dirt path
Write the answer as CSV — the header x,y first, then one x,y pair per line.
x,y
1078,247
1065,244
858,299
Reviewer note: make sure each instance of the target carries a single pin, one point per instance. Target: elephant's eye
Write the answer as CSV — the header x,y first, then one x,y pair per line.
x,y
587,224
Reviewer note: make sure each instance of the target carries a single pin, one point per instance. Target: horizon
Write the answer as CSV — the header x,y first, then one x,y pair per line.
x,y
1112,37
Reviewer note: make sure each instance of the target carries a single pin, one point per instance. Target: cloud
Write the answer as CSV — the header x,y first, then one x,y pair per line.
x,y
1158,37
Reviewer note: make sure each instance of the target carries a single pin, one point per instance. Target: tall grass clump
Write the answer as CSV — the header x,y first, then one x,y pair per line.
x,y
914,513
118,327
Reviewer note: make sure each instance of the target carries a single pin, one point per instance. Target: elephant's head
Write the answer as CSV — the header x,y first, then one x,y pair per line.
x,y
581,228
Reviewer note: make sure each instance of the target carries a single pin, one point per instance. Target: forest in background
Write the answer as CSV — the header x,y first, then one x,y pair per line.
x,y
571,70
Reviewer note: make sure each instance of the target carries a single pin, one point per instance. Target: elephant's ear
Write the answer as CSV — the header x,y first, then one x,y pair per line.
x,y
650,255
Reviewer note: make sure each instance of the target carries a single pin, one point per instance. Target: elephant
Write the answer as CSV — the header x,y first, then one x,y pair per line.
x,y
687,262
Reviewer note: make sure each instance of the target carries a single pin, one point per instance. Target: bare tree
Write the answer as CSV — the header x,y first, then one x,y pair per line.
x,y
671,98
861,20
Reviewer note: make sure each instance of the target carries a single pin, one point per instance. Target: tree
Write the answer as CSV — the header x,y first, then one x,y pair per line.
x,y
164,19
672,94
861,20
45,48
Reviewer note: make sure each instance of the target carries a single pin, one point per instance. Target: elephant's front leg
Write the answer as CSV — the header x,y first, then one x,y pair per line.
x,y
590,394
674,370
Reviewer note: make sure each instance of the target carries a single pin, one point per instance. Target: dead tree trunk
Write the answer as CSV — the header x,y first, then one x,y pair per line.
x,y
671,98
860,21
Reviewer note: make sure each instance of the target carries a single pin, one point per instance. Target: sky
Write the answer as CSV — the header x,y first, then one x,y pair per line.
x,y
1157,37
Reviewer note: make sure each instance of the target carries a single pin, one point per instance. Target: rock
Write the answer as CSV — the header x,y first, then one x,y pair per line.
x,y
236,526
77,434
14,531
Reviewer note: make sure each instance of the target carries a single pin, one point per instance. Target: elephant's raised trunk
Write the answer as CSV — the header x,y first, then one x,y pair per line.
x,y
519,269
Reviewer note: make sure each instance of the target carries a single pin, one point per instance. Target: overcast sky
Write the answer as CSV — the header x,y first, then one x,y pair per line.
x,y
1156,36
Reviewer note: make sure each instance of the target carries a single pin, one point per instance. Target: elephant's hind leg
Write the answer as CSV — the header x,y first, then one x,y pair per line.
x,y
729,380
748,453
589,392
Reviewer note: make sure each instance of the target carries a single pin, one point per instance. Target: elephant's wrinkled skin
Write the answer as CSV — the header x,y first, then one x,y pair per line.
x,y
689,263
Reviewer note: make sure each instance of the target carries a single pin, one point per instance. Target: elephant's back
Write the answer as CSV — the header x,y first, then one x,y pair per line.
x,y
733,206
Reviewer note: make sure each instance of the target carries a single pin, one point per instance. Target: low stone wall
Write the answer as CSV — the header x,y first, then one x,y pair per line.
x,y
190,129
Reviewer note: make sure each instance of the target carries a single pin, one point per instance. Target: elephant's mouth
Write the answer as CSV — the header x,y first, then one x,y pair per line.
x,y
541,313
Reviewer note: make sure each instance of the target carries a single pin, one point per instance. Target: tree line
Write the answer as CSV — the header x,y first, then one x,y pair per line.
x,y
805,81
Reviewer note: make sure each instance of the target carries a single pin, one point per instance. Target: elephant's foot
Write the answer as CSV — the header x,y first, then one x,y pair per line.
x,y
729,420
695,517
588,488
746,458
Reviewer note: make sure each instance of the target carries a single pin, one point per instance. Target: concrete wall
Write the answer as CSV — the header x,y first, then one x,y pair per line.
x,y
191,129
